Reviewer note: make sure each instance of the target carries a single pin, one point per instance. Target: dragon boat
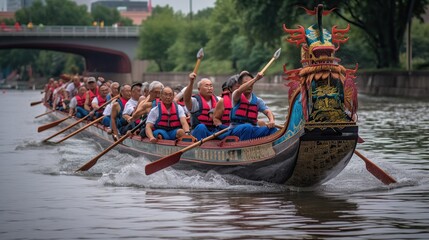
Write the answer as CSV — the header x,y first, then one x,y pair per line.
x,y
315,143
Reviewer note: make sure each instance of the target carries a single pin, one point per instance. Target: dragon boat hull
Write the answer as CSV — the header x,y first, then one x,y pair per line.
x,y
300,155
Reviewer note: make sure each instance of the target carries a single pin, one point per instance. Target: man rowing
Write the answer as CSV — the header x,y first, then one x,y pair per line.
x,y
221,115
167,120
147,104
201,107
117,121
245,108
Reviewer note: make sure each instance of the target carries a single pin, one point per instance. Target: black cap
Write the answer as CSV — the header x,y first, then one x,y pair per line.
x,y
232,81
224,86
243,74
136,85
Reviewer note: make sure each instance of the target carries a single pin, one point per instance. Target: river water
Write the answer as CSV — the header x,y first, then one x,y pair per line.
x,y
42,198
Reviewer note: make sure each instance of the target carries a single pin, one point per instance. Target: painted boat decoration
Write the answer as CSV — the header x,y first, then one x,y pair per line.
x,y
314,145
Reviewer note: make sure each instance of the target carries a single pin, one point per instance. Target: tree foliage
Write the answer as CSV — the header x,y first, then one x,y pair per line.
x,y
54,12
383,22
108,15
157,34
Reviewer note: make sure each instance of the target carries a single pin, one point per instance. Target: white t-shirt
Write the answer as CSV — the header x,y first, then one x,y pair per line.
x,y
196,105
154,114
108,109
72,90
130,106
73,102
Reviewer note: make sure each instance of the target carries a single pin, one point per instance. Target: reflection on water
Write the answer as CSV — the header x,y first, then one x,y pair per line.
x,y
42,197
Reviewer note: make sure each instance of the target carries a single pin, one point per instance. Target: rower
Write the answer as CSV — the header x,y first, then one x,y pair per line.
x,y
221,115
99,100
117,121
77,102
245,108
167,120
114,91
201,107
147,104
130,107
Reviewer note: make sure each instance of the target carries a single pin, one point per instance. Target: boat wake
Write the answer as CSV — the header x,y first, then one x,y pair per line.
x,y
124,170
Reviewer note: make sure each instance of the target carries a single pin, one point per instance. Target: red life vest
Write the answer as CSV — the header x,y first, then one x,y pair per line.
x,y
80,100
92,95
202,115
227,107
101,101
245,111
168,121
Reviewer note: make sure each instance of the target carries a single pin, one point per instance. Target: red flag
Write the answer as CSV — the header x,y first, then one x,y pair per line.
x,y
149,6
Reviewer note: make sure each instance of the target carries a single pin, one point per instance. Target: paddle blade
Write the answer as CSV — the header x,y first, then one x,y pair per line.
x,y
88,165
376,171
162,163
93,161
50,125
35,103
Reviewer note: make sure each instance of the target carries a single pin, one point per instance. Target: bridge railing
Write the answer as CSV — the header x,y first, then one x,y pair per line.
x,y
70,31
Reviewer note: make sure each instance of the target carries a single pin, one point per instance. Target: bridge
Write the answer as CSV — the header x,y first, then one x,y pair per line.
x,y
108,51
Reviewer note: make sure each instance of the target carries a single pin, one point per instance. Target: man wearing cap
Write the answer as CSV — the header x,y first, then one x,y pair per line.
x,y
91,93
245,108
201,107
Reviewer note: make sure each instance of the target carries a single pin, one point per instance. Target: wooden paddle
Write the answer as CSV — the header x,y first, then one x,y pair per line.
x,y
200,56
76,123
35,103
51,125
175,157
376,170
43,114
80,129
93,161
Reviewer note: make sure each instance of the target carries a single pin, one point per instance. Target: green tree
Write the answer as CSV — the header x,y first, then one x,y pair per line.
x,y
103,13
223,27
157,34
54,12
191,37
382,21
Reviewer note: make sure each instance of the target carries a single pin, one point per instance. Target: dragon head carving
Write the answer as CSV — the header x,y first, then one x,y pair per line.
x,y
322,80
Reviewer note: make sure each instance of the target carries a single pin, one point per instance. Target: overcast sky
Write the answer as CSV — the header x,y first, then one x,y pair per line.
x,y
178,5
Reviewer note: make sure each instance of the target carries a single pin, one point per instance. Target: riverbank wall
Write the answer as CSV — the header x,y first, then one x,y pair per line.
x,y
394,84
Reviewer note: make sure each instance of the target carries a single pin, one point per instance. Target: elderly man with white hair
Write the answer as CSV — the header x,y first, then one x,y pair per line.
x,y
144,107
201,107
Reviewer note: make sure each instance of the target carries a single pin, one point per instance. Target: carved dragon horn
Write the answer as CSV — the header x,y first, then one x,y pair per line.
x,y
319,22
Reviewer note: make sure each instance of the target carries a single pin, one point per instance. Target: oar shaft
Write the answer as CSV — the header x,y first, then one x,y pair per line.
x,y
76,123
67,128
197,65
51,125
268,65
80,130
93,161
35,103
43,114
376,170
175,157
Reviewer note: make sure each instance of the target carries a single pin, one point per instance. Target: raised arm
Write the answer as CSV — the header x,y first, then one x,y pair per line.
x,y
188,92
237,93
